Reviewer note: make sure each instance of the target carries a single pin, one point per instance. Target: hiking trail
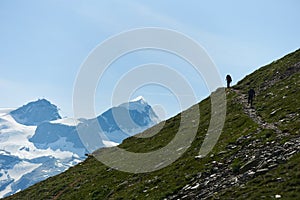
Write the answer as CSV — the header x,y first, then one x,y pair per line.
x,y
251,112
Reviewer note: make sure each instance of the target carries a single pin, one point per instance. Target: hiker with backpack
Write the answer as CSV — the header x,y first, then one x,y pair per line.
x,y
229,80
251,95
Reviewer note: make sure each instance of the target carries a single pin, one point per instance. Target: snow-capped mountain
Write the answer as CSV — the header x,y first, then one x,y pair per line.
x,y
35,143
22,164
117,124
34,113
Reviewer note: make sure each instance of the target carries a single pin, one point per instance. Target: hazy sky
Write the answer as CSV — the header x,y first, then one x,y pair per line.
x,y
44,43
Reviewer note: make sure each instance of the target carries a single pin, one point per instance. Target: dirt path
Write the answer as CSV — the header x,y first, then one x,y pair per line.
x,y
251,112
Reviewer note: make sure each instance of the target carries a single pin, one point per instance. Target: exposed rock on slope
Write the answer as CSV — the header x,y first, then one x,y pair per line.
x,y
34,113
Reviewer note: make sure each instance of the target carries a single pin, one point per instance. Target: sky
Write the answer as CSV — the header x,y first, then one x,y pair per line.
x,y
44,44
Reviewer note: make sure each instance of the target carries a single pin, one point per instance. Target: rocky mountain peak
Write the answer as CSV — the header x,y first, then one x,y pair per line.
x,y
36,112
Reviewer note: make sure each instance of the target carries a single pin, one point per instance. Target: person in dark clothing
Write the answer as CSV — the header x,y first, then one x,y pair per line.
x,y
251,95
229,80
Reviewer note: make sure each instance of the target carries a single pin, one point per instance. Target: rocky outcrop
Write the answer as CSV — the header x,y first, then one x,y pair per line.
x,y
252,157
258,158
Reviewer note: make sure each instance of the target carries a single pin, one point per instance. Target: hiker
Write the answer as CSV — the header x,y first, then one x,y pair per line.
x,y
229,80
251,95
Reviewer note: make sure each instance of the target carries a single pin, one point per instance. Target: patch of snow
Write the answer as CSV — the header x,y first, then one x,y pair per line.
x,y
16,174
22,168
5,191
66,121
110,143
139,104
67,147
15,137
139,98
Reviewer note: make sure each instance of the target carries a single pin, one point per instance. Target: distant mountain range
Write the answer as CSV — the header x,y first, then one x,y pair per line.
x,y
36,143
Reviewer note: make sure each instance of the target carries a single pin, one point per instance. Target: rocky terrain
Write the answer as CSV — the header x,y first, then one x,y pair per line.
x,y
256,157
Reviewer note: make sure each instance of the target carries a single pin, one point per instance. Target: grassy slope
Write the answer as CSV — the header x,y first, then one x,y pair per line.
x,y
93,180
279,104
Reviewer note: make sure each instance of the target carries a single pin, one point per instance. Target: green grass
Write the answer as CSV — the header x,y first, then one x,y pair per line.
x,y
93,180
281,104
265,74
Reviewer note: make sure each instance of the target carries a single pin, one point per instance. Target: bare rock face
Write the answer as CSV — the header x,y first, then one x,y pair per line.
x,y
35,113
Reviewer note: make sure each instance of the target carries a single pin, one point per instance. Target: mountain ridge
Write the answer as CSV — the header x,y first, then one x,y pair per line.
x,y
256,157
35,113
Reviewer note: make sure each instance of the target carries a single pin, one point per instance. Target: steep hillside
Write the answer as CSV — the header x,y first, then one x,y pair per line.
x,y
256,157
